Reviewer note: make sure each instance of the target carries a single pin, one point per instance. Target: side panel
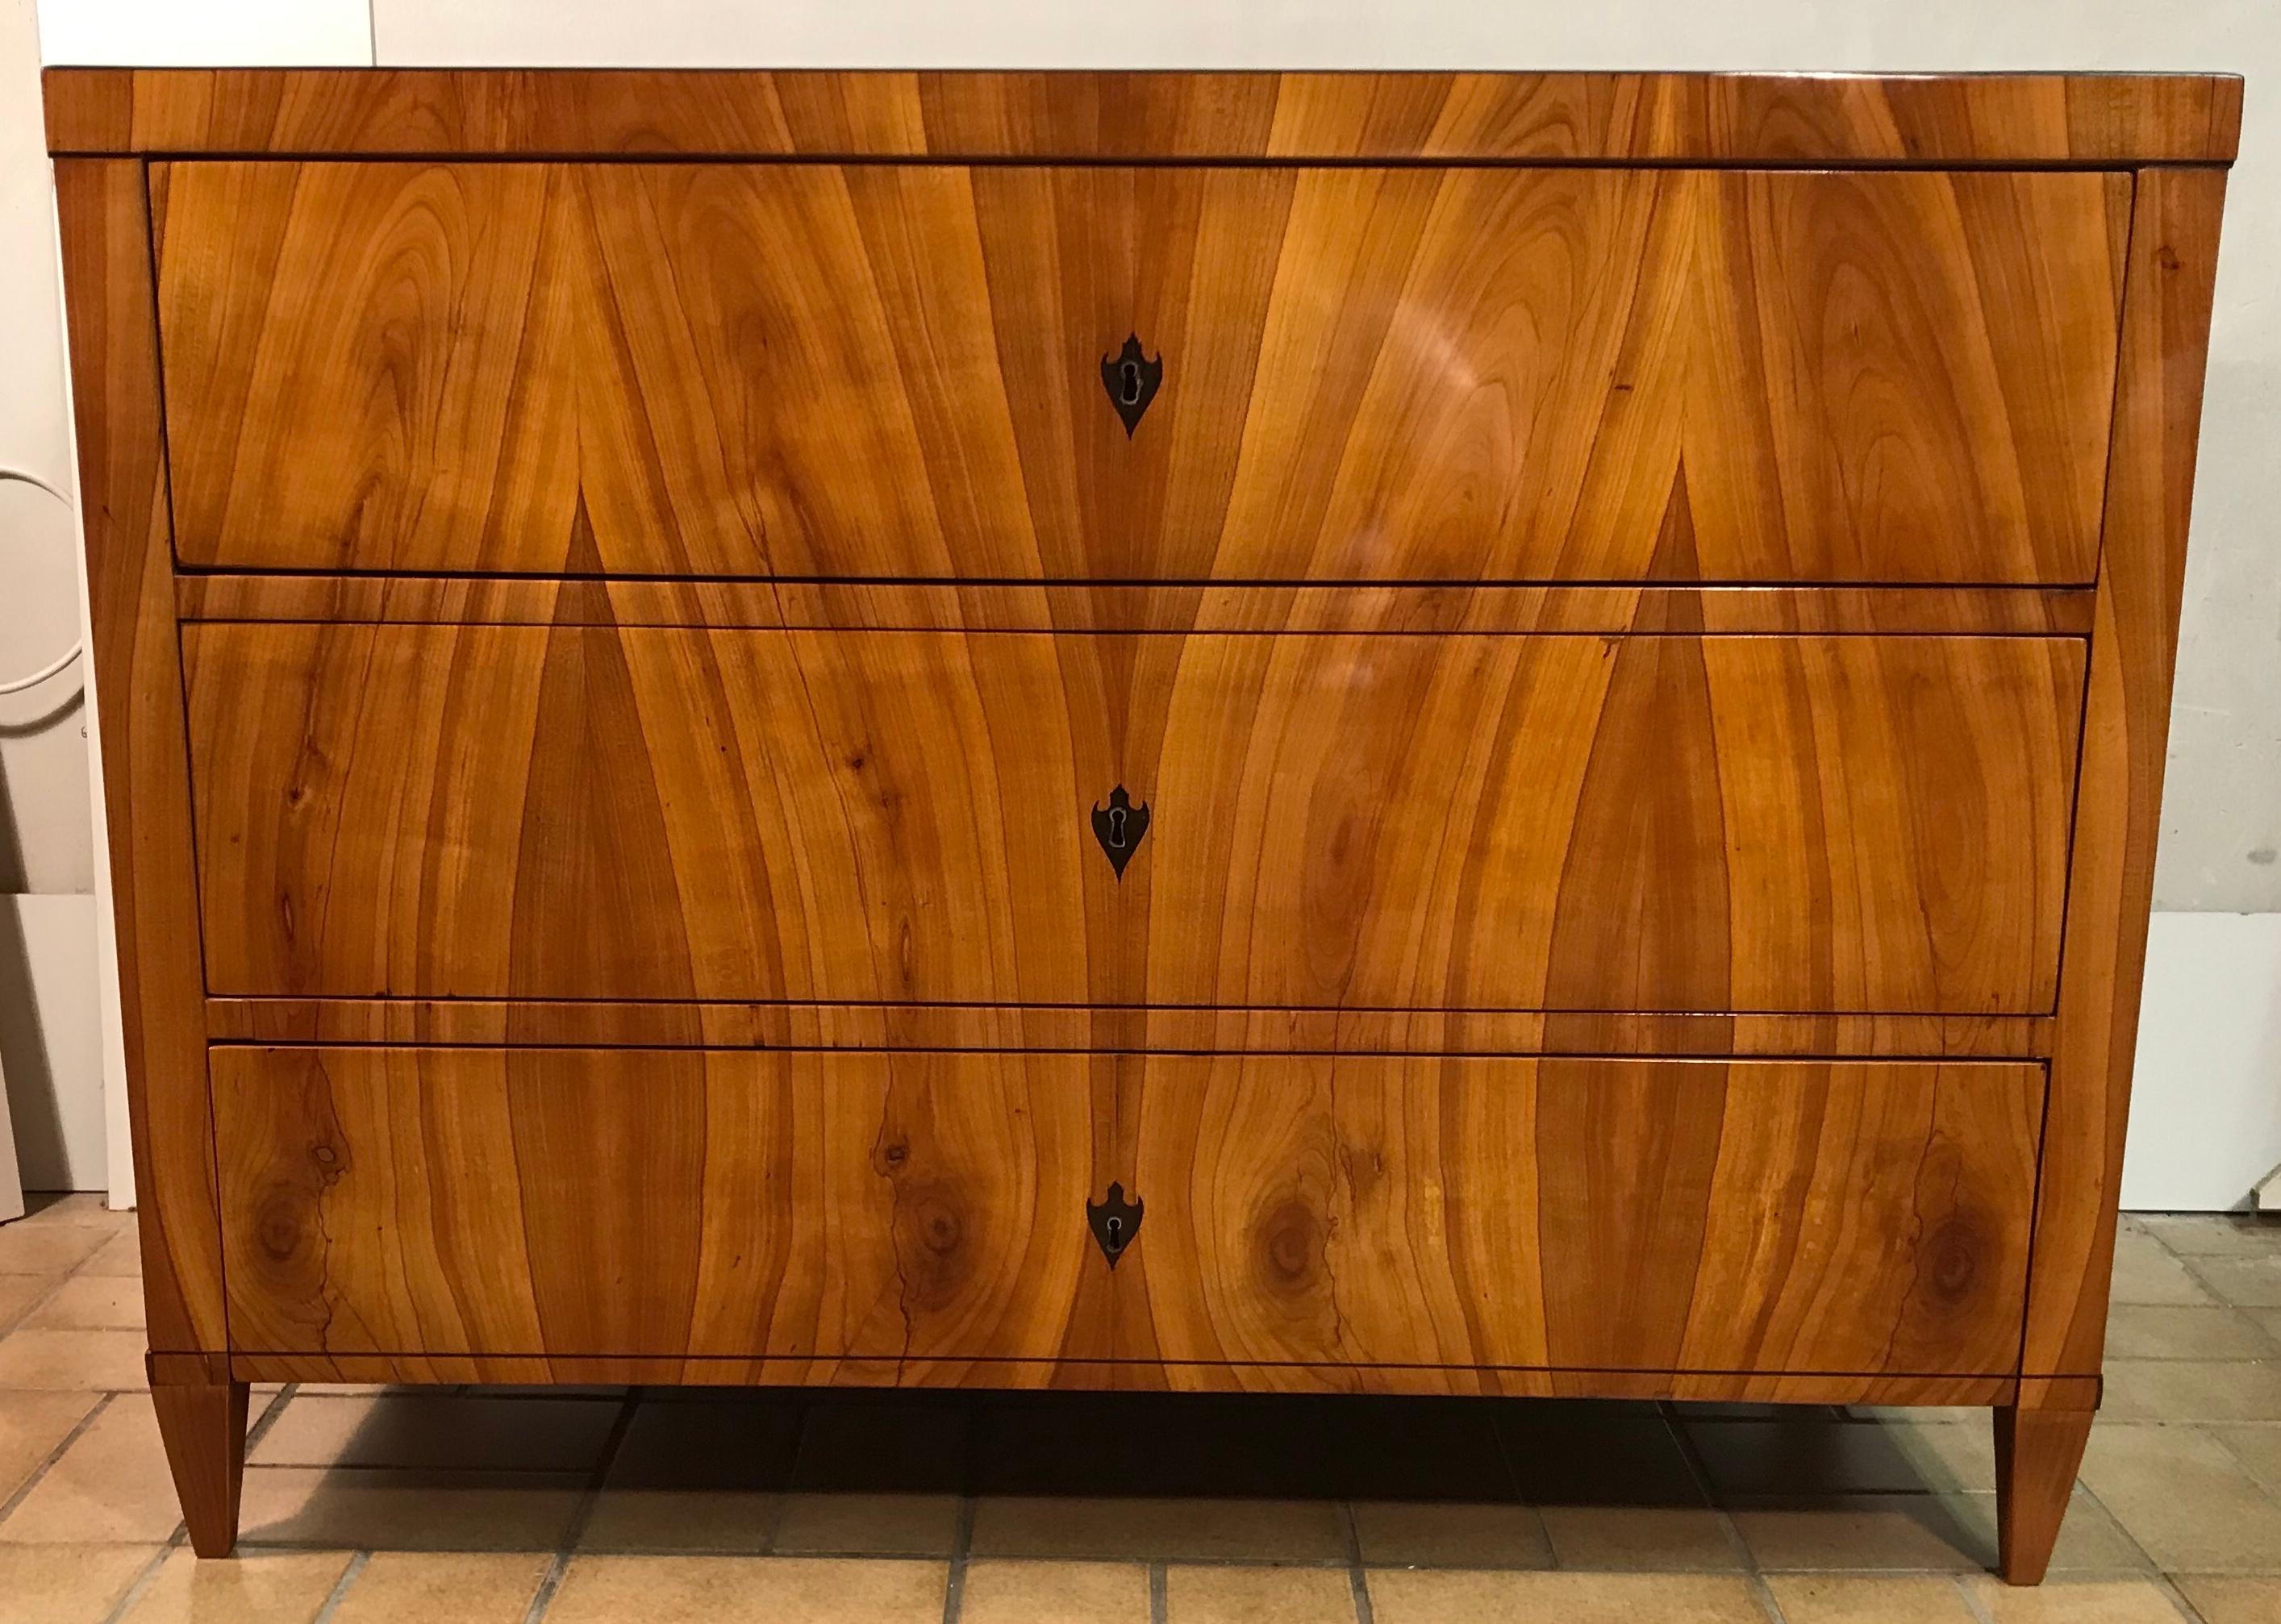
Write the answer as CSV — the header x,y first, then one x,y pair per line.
x,y
111,313
2173,264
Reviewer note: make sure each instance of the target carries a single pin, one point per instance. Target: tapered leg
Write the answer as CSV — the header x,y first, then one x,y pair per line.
x,y
203,1423
2038,1452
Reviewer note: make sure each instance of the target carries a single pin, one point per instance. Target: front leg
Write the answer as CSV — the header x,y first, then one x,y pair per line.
x,y
202,1421
2038,1453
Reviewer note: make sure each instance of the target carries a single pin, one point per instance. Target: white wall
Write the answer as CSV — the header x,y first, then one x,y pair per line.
x,y
214,33
2223,812
2210,1031
50,1033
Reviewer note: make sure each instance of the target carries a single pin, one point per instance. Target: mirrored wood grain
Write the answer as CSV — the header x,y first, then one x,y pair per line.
x,y
1295,1211
1372,374
1670,822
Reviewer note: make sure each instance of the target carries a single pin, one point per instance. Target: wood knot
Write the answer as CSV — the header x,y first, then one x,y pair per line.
x,y
1290,1243
1952,1260
277,1226
930,1248
941,1229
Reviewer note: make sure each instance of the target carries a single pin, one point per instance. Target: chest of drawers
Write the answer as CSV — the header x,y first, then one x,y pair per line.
x,y
1478,734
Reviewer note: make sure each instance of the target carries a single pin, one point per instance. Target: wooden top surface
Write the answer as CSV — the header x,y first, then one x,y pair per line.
x,y
2090,120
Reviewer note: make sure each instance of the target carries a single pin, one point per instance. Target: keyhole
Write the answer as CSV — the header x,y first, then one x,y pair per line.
x,y
1116,1228
1116,816
1131,374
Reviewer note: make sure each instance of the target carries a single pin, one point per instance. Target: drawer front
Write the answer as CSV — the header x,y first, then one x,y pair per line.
x,y
1585,1214
898,371
1342,821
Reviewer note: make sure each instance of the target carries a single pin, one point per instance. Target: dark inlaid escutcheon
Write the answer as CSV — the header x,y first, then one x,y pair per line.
x,y
1132,380
1118,826
1114,1222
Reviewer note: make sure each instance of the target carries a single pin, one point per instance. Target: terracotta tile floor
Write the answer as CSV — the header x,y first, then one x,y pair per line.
x,y
396,1506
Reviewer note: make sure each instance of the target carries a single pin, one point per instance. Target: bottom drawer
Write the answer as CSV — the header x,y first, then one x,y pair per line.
x,y
1609,1214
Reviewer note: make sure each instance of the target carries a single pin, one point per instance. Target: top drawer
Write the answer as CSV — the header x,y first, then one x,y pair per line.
x,y
908,371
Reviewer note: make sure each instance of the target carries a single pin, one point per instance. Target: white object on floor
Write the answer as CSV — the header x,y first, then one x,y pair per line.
x,y
118,1139
51,1029
32,679
11,1182
2206,1104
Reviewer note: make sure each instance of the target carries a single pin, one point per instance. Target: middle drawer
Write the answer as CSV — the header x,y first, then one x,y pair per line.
x,y
1650,822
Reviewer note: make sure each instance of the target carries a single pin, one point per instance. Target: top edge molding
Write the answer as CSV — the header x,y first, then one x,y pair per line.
x,y
2087,120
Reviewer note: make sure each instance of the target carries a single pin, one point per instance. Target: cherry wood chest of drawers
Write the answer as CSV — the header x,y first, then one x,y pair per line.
x,y
1480,734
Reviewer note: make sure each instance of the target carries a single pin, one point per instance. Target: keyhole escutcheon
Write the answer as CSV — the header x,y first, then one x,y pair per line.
x,y
1130,379
1115,1223
1120,827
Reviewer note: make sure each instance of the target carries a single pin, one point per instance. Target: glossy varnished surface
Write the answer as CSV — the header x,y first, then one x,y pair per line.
x,y
1116,1375
1412,374
103,211
929,1210
2126,729
1704,118
1656,822
616,1022
1825,443
1096,606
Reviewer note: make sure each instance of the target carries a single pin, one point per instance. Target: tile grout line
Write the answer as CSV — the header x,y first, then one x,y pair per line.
x,y
855,1553
779,1497
1358,1581
1973,1604
148,1577
962,1548
2081,1487
558,1566
268,1418
349,1576
1366,1610
1514,1486
2179,1599
2192,1358
1088,1556
1764,1594
549,1582
21,1319
2210,1429
1699,1471
24,1489
2186,1261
